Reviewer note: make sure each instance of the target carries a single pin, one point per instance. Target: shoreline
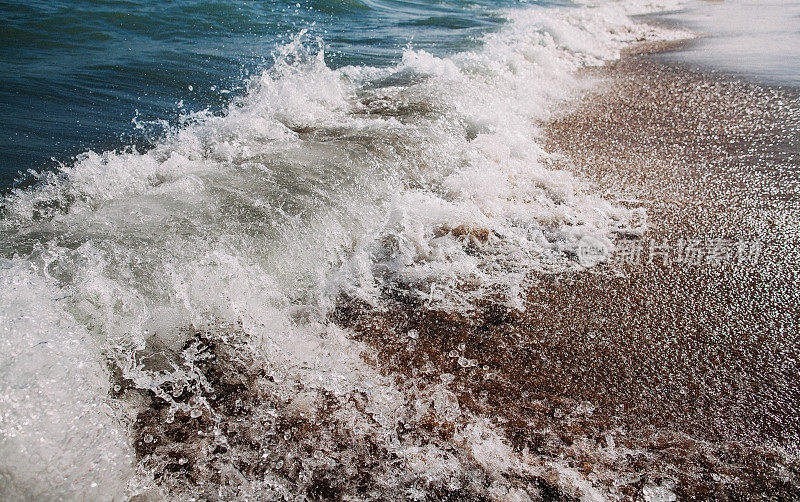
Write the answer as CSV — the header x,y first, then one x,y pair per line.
x,y
624,380
669,376
530,261
686,366
754,40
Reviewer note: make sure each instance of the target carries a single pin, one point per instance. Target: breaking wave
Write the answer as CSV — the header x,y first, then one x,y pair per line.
x,y
168,314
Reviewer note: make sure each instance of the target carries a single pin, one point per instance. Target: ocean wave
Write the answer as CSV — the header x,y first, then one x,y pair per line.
x,y
244,229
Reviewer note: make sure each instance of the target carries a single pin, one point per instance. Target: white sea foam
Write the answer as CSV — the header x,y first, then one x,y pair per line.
x,y
315,183
60,437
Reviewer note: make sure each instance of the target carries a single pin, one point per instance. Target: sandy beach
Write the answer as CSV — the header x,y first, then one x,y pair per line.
x,y
672,365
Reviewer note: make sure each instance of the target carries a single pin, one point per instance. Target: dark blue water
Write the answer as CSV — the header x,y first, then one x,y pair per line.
x,y
74,74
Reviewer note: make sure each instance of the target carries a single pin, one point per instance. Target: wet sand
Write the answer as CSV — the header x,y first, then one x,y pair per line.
x,y
669,370
674,365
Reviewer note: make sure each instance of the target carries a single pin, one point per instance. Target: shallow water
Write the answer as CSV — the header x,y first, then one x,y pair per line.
x,y
759,40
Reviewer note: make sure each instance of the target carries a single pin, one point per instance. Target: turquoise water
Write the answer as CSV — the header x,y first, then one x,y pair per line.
x,y
74,74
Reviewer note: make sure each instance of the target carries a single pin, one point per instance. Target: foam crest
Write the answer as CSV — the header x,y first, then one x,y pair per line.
x,y
500,212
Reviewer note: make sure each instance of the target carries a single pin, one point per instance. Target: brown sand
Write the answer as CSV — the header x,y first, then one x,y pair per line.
x,y
675,368
690,361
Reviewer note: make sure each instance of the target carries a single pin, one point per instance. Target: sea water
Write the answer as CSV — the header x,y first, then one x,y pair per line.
x,y
758,40
81,74
237,167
